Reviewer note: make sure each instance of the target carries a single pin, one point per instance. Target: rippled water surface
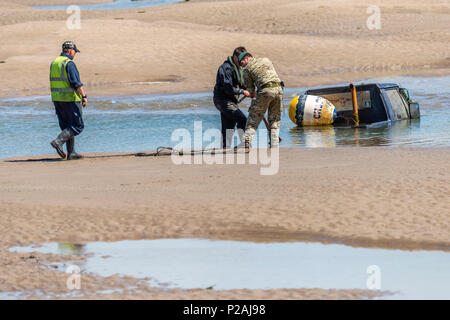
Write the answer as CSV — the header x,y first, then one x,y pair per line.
x,y
142,123
113,5
225,265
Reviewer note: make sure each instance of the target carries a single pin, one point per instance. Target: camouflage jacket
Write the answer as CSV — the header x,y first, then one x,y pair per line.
x,y
258,72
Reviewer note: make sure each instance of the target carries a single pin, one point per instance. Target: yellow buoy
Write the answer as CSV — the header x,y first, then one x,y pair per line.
x,y
308,110
292,108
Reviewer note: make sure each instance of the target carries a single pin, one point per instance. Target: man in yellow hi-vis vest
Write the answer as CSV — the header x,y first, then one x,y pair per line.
x,y
68,96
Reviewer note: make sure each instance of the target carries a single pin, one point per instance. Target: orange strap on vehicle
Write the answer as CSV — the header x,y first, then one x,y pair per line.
x,y
355,105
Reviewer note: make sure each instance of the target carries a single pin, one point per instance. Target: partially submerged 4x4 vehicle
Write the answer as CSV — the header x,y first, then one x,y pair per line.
x,y
364,105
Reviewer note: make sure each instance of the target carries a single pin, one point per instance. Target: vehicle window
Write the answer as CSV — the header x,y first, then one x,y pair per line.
x,y
397,103
343,101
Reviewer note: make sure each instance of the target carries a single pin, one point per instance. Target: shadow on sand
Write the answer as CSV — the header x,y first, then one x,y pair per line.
x,y
97,156
161,151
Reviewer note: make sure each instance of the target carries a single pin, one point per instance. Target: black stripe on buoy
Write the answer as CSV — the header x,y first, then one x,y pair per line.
x,y
300,109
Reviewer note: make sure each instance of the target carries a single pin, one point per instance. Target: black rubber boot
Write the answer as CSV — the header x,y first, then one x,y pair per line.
x,y
62,138
71,154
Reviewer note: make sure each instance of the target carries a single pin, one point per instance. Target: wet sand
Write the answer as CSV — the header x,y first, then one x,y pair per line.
x,y
178,48
371,197
390,198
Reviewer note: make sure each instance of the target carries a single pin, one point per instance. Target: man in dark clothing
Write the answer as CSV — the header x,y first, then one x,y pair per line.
x,y
229,85
68,96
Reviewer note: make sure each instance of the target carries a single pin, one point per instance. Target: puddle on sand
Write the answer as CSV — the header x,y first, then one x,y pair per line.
x,y
225,265
27,294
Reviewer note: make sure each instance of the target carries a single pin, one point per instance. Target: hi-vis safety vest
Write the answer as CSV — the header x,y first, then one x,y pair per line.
x,y
59,82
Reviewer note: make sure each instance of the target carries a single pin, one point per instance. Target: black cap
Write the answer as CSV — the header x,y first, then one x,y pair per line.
x,y
70,45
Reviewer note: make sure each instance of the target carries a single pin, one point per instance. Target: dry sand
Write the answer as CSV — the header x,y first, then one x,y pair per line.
x,y
391,198
374,197
181,45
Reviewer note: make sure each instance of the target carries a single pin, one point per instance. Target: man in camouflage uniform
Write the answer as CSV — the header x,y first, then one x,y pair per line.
x,y
259,73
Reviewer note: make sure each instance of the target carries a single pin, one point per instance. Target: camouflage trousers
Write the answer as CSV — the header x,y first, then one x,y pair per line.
x,y
268,99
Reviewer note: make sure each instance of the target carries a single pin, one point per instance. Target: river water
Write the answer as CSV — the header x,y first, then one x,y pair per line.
x,y
113,5
142,123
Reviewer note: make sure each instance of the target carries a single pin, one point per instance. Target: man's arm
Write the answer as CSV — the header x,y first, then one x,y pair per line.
x,y
226,76
74,79
248,81
80,90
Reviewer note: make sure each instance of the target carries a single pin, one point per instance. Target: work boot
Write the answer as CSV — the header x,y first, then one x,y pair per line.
x,y
62,138
274,138
71,154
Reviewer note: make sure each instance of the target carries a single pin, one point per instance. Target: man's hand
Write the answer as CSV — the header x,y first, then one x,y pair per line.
x,y
80,90
249,94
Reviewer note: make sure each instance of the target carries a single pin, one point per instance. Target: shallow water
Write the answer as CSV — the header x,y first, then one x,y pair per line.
x,y
117,4
142,123
225,265
73,294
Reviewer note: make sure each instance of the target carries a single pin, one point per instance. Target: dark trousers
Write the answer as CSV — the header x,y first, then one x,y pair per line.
x,y
231,116
70,115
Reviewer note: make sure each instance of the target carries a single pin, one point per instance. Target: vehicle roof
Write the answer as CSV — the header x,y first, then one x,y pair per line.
x,y
386,85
